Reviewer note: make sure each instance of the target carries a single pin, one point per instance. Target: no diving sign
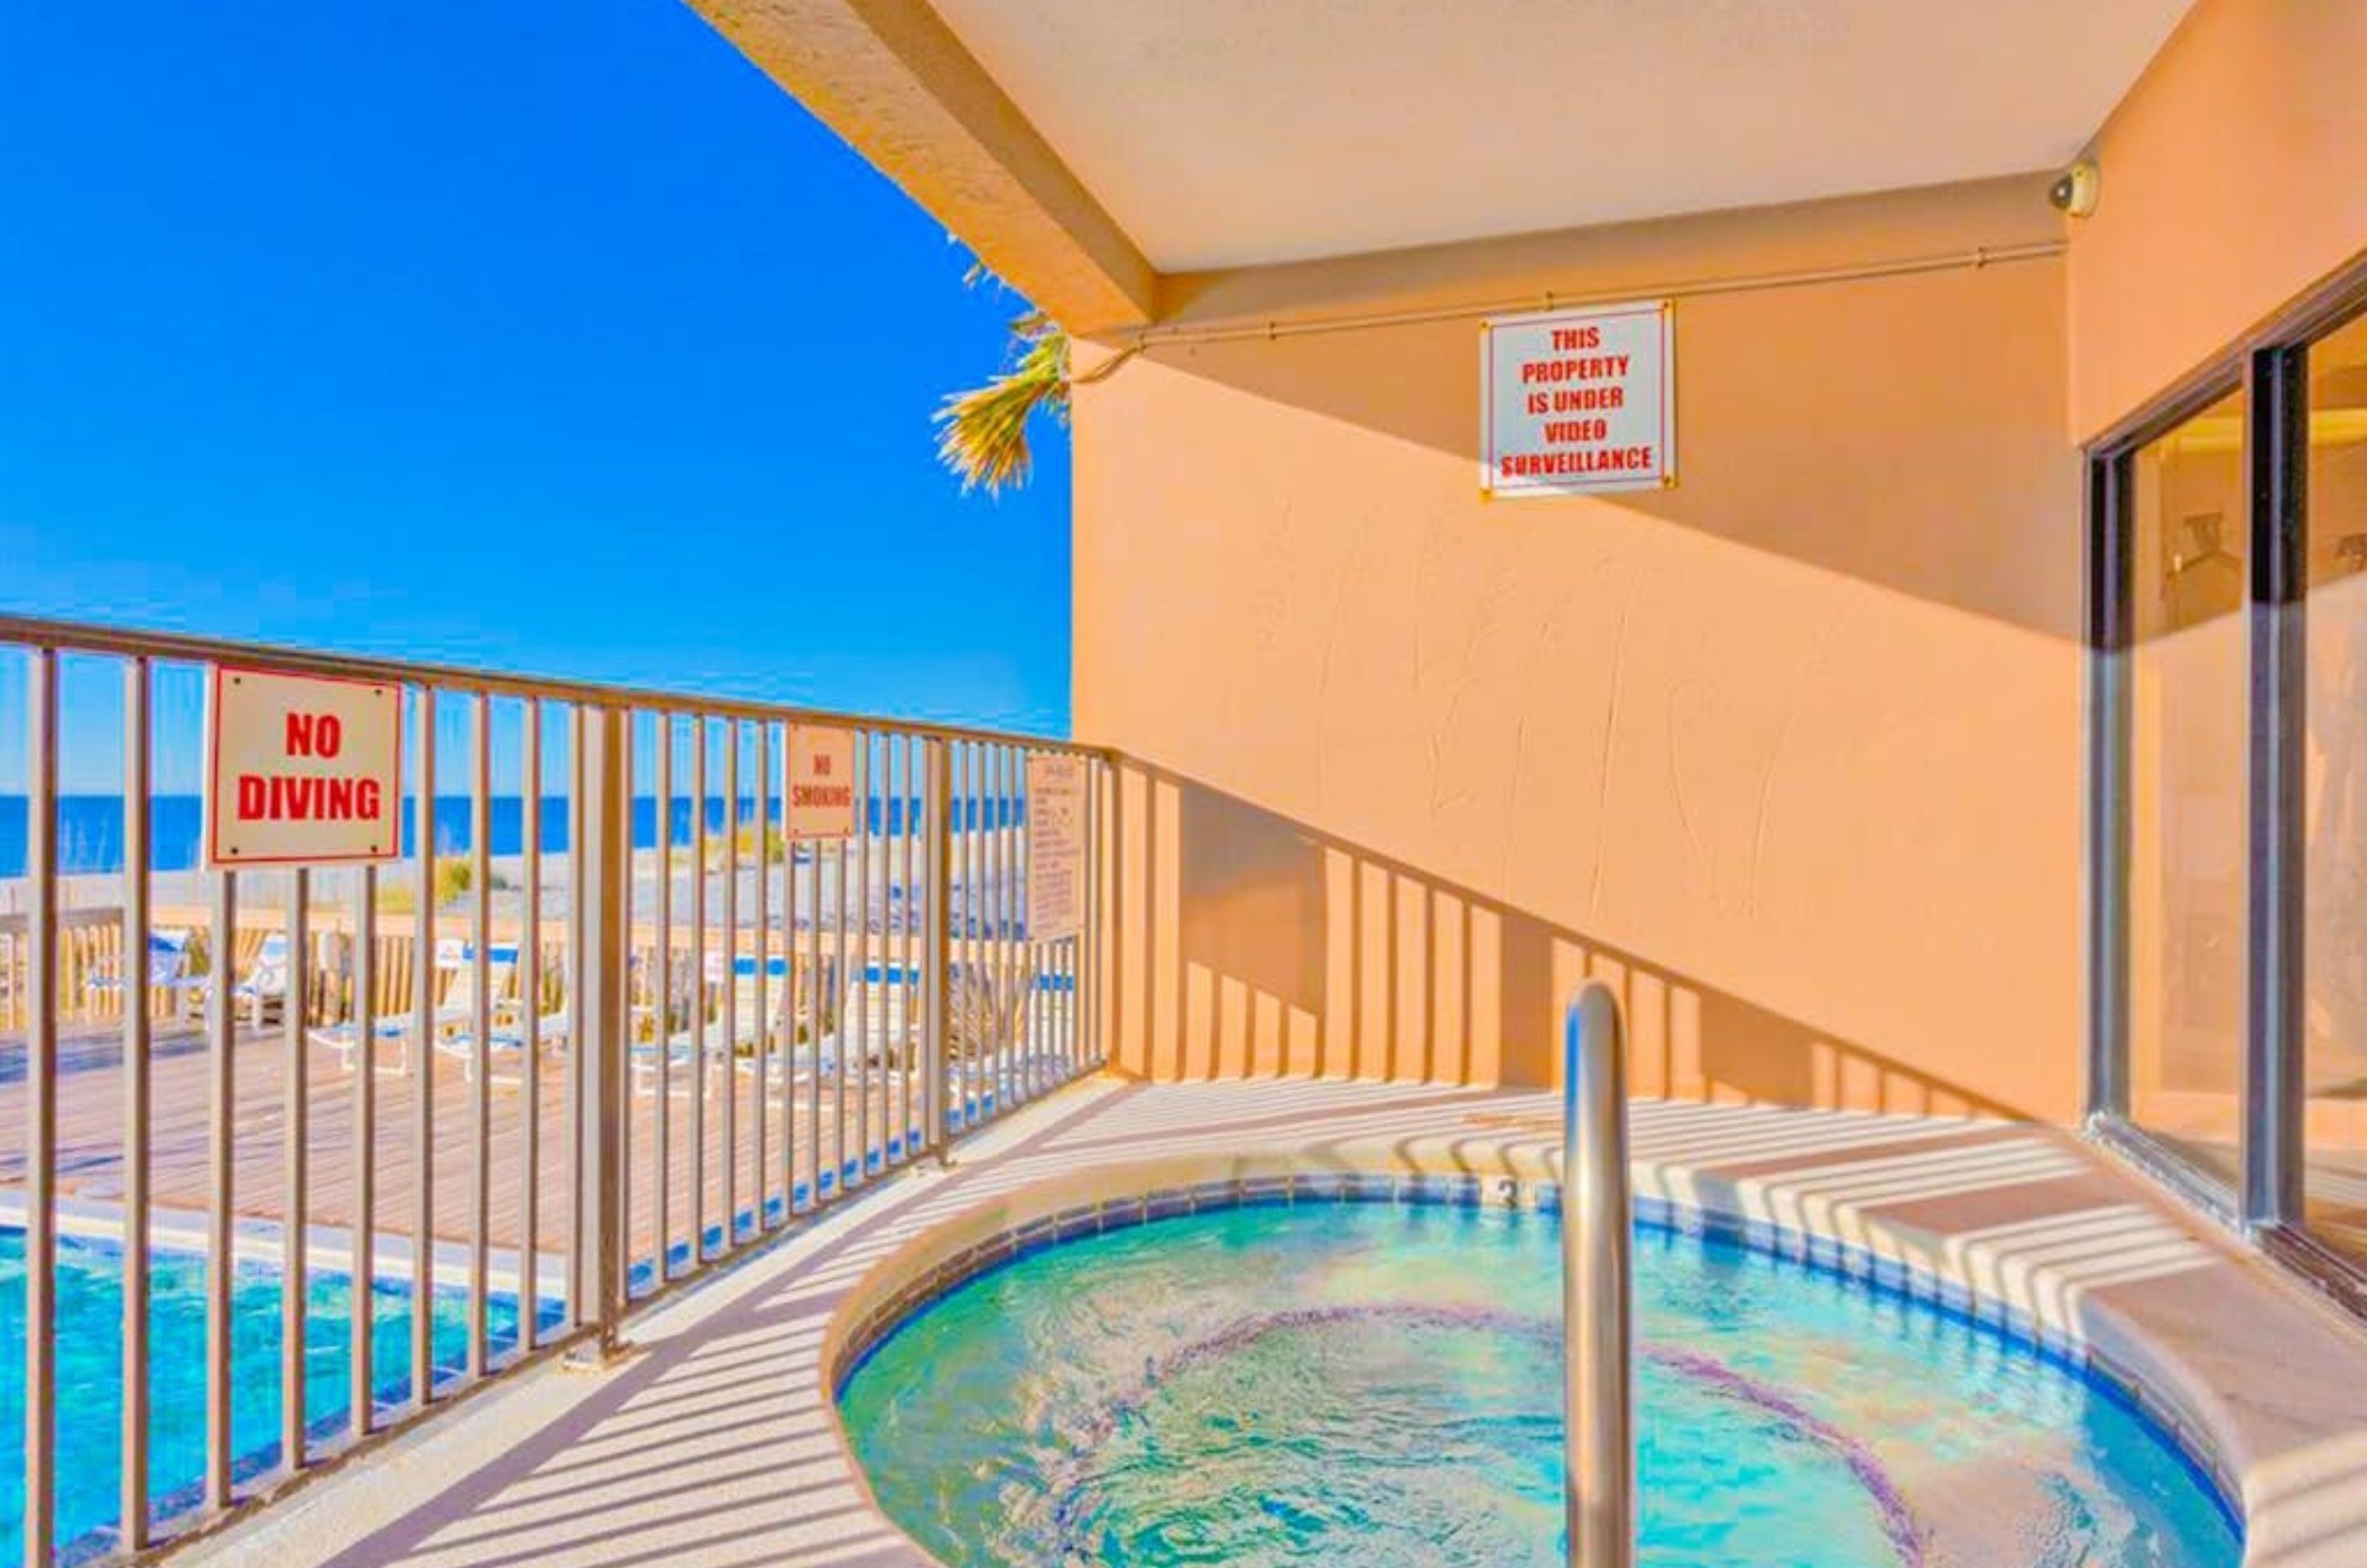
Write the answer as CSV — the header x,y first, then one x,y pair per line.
x,y
301,769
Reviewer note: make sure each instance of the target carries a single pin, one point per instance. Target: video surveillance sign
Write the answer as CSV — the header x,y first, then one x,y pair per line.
x,y
1579,402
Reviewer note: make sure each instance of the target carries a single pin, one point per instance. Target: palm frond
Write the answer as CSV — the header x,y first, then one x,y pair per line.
x,y
982,434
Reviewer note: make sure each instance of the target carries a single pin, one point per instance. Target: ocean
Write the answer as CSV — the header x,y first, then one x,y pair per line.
x,y
90,827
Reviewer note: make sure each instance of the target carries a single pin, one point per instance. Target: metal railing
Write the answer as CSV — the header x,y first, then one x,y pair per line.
x,y
1597,1362
513,1090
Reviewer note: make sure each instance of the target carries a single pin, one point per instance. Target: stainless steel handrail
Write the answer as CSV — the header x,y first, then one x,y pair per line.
x,y
1598,1392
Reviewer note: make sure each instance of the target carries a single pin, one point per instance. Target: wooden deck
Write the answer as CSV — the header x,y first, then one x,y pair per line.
x,y
91,1138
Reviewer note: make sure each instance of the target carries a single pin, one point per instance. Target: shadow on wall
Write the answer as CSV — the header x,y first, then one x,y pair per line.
x,y
1902,432
1252,946
1807,724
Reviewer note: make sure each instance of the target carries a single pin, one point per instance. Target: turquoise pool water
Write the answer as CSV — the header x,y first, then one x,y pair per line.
x,y
90,1372
1377,1384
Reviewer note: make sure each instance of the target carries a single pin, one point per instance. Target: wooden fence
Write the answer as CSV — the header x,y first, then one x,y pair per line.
x,y
91,970
92,974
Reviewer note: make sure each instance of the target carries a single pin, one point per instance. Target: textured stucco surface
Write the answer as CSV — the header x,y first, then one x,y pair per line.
x,y
1799,738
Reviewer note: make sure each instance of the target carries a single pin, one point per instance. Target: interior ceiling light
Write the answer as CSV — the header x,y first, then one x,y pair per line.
x,y
2221,432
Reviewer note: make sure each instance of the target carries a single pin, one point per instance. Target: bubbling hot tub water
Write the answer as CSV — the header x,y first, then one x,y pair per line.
x,y
1379,1384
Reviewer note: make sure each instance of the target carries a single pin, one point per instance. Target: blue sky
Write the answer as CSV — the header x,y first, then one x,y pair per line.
x,y
474,334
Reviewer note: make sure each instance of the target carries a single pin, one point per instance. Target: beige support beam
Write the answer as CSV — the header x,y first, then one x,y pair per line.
x,y
893,79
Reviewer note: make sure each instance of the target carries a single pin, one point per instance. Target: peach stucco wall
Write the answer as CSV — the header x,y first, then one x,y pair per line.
x,y
2233,180
1792,750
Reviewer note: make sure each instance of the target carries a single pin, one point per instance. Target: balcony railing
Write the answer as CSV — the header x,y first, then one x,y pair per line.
x,y
398,1131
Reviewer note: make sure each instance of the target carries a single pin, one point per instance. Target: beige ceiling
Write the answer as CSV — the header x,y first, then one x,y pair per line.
x,y
1232,132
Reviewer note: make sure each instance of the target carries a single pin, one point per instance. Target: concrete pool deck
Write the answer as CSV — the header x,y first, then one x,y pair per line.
x,y
716,1444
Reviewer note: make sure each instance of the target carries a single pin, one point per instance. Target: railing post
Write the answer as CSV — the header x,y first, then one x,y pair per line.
x,y
938,868
295,1146
40,1469
1598,1458
138,1098
604,905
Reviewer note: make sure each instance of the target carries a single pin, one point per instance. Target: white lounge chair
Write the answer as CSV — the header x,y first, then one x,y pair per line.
x,y
171,957
263,985
748,1027
456,1015
345,1038
756,1037
265,982
456,1012
552,1030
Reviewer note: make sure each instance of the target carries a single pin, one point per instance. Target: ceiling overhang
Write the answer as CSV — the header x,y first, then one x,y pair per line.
x,y
896,84
1088,150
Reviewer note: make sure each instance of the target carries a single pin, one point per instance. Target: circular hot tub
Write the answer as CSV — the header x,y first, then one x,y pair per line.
x,y
1379,1383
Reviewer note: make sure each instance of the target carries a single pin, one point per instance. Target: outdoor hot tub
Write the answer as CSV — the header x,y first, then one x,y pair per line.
x,y
1365,1370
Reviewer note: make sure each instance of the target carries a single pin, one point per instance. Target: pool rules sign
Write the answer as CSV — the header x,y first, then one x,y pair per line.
x,y
1055,847
1579,402
301,769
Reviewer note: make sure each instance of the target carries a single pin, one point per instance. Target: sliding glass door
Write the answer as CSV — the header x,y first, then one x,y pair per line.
x,y
2185,885
2228,793
2334,882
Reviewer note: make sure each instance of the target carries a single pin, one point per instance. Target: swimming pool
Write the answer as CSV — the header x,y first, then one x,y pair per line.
x,y
1380,1384
90,1371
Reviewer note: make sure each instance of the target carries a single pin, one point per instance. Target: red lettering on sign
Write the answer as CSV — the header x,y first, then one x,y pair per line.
x,y
314,735
1597,460
1581,398
284,797
1555,413
1577,429
1592,367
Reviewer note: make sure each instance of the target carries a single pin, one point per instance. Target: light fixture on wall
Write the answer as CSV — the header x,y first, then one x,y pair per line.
x,y
2075,190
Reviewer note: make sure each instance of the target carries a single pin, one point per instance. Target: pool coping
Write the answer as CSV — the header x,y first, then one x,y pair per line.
x,y
869,1331
2117,1351
719,1435
865,1323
